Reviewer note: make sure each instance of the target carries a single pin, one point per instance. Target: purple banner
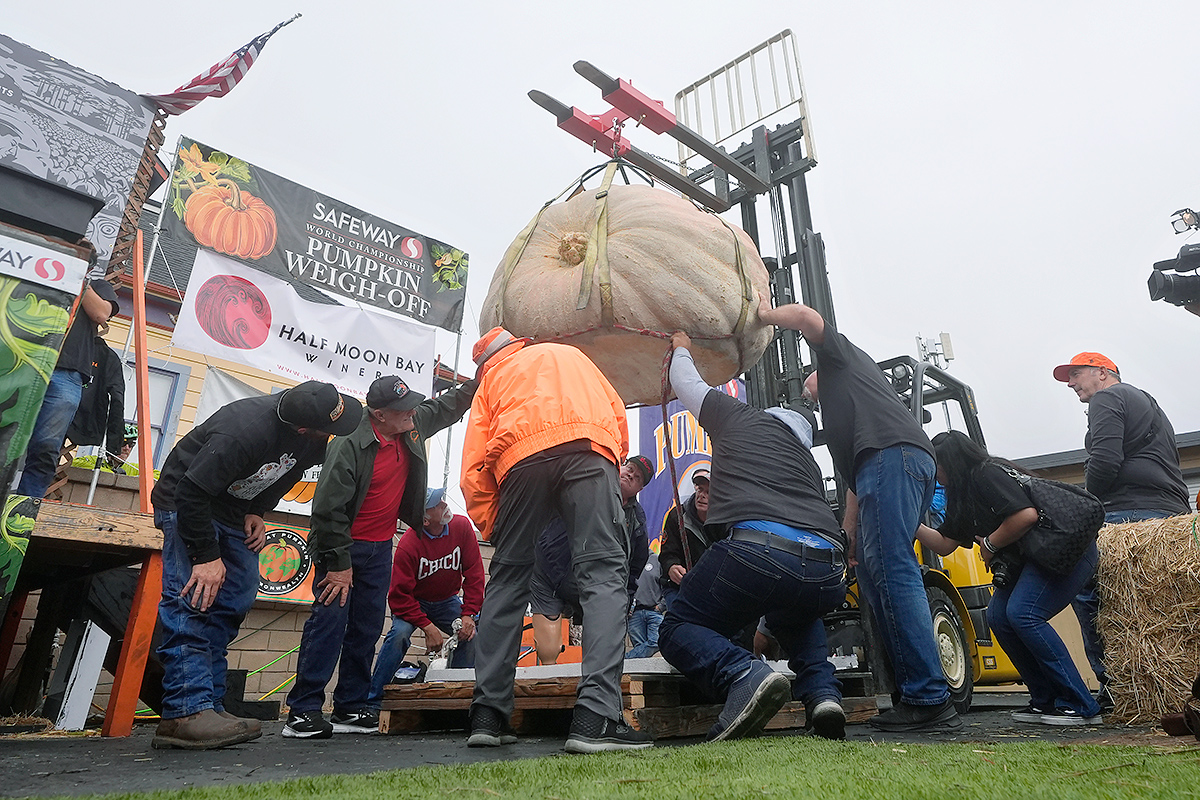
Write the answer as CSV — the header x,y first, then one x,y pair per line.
x,y
690,447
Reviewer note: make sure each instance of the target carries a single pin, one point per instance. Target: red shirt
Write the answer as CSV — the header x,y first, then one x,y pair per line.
x,y
376,520
434,569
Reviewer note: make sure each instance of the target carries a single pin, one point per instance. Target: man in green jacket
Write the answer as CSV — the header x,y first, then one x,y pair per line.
x,y
371,478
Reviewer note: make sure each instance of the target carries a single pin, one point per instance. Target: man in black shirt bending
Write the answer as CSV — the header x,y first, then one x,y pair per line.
x,y
888,462
216,485
784,558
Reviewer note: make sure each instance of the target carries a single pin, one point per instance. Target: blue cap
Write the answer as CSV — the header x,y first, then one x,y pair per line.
x,y
433,497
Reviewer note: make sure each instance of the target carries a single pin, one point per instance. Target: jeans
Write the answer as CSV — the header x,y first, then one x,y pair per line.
x,y
730,587
441,613
895,487
1087,603
46,441
1019,617
643,632
194,643
347,634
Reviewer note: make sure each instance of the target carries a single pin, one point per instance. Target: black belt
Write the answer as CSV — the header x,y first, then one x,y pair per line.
x,y
826,555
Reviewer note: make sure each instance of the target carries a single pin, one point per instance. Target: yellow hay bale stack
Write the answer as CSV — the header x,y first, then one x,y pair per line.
x,y
1149,582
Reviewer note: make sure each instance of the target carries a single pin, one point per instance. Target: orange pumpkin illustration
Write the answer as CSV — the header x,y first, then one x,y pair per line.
x,y
230,220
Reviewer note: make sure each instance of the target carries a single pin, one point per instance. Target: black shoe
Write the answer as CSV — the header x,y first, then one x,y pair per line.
x,y
752,701
1105,700
828,720
307,725
905,717
592,733
1030,713
365,721
489,728
1069,716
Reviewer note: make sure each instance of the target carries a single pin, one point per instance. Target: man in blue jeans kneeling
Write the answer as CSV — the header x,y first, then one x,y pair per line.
x,y
429,569
784,558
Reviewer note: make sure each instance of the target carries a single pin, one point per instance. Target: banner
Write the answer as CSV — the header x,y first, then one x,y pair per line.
x,y
233,312
298,235
690,447
70,127
285,565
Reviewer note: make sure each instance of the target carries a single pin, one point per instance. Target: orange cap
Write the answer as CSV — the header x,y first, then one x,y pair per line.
x,y
1063,371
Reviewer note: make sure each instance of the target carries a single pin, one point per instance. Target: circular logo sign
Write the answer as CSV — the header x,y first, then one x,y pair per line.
x,y
283,563
233,312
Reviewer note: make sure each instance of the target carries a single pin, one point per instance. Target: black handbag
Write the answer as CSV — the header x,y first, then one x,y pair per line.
x,y
1069,517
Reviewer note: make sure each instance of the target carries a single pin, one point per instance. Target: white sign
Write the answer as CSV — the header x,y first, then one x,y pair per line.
x,y
41,265
234,312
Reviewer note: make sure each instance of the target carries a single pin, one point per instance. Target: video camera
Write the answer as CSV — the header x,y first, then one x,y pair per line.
x,y
1178,290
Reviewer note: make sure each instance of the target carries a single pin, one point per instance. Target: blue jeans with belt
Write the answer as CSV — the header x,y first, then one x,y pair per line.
x,y
194,643
734,584
1019,616
895,486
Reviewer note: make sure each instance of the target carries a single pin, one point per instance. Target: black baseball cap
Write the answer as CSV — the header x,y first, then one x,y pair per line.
x,y
392,392
320,406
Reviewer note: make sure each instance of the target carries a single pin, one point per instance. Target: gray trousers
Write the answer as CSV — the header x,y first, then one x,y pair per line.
x,y
582,488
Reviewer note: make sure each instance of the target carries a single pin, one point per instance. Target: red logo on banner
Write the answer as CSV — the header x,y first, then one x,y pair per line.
x,y
44,266
412,247
233,312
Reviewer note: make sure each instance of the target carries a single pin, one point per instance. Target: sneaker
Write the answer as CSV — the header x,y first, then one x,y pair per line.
x,y
1030,713
828,720
307,725
752,701
905,717
592,733
365,721
204,730
489,728
1069,716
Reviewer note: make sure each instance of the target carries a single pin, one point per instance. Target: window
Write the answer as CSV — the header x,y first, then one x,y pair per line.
x,y
168,385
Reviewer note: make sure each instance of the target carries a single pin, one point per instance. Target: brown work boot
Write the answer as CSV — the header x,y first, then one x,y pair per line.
x,y
204,730
254,725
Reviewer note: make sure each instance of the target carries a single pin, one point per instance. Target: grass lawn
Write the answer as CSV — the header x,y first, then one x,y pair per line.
x,y
790,766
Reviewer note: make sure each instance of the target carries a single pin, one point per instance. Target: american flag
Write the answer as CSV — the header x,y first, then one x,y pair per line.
x,y
219,79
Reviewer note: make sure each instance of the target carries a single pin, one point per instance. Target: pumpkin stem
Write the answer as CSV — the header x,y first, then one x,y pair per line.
x,y
572,248
235,194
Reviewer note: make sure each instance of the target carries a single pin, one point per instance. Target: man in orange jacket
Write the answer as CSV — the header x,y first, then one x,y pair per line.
x,y
545,436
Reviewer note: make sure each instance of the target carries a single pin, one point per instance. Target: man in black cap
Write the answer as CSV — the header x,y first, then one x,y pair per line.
x,y
372,477
216,485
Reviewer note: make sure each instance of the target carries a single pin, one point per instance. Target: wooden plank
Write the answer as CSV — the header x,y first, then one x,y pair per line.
x,y
667,723
93,525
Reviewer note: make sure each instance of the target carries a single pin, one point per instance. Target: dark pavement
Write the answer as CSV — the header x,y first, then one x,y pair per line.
x,y
54,764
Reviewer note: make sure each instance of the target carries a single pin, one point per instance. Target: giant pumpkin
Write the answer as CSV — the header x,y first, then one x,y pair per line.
x,y
670,267
230,220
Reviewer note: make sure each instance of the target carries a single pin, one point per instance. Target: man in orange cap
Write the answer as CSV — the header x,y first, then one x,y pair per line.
x,y
1133,466
546,434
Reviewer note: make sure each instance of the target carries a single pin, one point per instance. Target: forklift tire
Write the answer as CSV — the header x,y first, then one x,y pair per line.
x,y
951,639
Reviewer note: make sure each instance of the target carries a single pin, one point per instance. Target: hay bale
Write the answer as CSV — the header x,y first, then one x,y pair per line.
x,y
1149,583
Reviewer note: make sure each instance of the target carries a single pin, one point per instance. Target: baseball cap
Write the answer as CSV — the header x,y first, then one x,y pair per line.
x,y
700,475
320,406
1063,371
392,392
433,497
644,467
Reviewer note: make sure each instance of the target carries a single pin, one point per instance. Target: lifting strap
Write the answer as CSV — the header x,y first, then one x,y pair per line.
x,y
597,254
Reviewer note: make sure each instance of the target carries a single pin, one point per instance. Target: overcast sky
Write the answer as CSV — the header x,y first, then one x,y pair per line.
x,y
1003,171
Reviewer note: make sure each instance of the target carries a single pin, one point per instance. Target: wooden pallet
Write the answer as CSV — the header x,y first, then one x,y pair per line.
x,y
655,697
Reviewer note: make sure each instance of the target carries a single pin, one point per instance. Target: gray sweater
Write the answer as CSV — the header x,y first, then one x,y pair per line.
x,y
1132,459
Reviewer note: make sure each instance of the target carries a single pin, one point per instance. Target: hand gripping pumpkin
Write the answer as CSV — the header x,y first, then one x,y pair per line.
x,y
616,274
230,220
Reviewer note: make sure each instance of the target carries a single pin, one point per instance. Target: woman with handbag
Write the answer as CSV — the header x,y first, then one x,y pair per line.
x,y
987,504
